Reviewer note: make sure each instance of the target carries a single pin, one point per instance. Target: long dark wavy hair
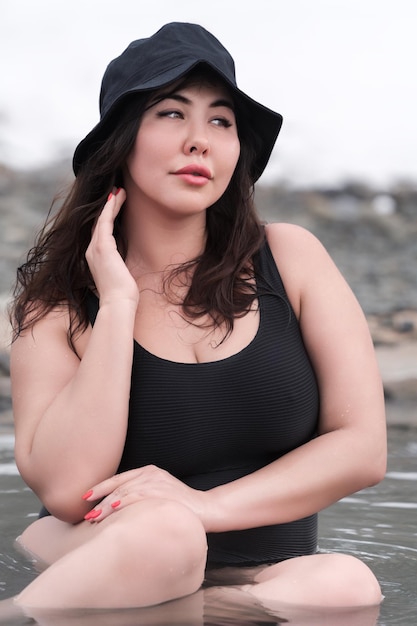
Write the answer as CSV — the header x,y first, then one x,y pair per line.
x,y
220,281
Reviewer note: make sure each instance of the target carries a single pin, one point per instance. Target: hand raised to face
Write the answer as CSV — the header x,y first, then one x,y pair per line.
x,y
112,278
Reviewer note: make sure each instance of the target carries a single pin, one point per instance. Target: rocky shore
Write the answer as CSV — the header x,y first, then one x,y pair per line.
x,y
371,235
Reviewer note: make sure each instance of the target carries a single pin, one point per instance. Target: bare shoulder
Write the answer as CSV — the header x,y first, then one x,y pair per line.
x,y
311,278
41,362
285,238
300,258
50,330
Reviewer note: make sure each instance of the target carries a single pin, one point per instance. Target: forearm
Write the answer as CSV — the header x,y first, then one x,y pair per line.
x,y
299,484
79,438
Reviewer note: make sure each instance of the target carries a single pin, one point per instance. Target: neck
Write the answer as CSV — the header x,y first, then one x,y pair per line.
x,y
156,242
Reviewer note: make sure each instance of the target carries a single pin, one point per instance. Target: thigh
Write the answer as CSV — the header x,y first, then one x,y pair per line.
x,y
156,547
48,539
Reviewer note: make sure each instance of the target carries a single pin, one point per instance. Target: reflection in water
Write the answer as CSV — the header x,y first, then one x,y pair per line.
x,y
210,607
376,525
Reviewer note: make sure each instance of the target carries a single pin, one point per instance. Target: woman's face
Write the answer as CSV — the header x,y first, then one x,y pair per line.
x,y
186,150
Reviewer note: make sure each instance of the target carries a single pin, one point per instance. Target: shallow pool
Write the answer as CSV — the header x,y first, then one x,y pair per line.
x,y
379,525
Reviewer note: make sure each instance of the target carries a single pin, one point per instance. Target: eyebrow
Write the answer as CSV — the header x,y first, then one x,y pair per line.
x,y
220,102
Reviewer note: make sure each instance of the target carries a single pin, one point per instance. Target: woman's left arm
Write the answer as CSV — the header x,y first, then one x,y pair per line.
x,y
349,453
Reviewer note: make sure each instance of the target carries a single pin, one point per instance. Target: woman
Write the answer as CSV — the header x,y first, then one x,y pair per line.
x,y
202,380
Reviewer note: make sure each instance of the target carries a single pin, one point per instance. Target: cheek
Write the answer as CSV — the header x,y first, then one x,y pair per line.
x,y
141,162
230,157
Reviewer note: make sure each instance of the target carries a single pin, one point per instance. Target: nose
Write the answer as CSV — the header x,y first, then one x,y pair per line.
x,y
197,142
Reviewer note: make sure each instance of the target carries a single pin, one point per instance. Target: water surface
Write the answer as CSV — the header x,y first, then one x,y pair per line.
x,y
377,524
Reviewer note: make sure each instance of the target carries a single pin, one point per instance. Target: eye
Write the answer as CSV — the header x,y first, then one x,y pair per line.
x,y
172,114
222,121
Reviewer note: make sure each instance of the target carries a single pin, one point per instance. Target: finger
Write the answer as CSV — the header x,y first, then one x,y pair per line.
x,y
104,507
114,203
109,506
123,489
104,488
106,208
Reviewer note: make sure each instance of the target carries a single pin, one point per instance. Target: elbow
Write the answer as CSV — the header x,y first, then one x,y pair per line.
x,y
378,462
59,501
368,457
374,469
377,472
374,476
65,508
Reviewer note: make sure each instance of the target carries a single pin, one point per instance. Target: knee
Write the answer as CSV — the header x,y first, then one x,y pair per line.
x,y
351,582
180,531
169,532
320,580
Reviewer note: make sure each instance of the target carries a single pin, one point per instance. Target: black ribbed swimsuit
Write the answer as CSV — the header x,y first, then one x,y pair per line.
x,y
211,423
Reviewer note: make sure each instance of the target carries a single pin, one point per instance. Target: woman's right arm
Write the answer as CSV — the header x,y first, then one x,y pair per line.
x,y
71,414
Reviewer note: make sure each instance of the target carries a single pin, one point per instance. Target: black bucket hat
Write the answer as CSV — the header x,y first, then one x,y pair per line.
x,y
168,55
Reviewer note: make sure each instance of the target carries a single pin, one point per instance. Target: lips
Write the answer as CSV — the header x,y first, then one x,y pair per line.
x,y
195,170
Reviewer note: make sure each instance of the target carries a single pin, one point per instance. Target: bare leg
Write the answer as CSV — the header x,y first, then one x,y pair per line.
x,y
334,589
187,611
326,580
326,589
145,554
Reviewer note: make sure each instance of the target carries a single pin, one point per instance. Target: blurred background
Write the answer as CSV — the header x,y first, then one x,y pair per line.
x,y
342,73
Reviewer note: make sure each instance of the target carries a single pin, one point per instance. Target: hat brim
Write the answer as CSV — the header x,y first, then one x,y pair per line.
x,y
264,123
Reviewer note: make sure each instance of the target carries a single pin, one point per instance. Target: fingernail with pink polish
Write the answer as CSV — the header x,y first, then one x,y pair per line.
x,y
93,514
115,504
87,494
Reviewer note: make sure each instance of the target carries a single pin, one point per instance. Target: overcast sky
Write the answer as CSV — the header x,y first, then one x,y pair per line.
x,y
342,73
